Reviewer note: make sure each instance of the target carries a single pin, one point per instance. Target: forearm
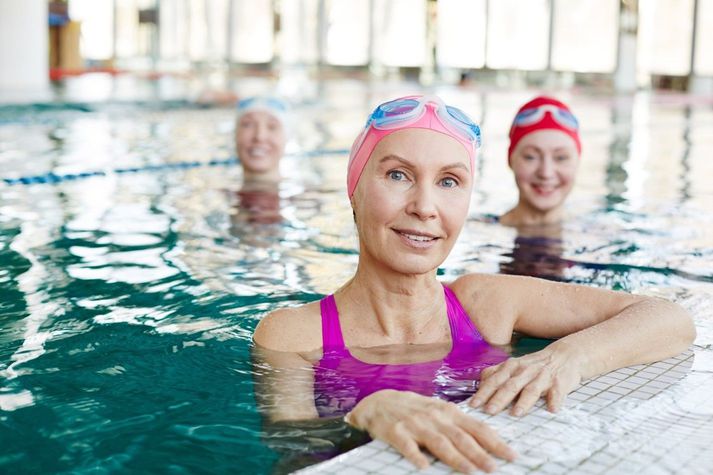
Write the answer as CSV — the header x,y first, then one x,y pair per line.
x,y
646,331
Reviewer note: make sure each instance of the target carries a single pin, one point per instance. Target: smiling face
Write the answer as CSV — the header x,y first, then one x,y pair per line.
x,y
260,142
545,164
412,200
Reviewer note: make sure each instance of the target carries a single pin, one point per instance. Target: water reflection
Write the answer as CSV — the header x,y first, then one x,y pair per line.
x,y
257,202
537,252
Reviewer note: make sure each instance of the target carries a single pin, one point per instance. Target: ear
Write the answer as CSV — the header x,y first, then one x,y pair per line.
x,y
351,202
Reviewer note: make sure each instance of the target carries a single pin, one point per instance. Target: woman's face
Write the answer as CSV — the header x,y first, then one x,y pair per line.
x,y
412,200
545,164
260,141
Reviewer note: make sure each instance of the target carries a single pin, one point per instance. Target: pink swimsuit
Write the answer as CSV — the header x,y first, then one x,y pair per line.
x,y
341,380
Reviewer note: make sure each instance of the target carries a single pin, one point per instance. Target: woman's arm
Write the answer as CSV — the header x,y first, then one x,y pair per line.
x,y
283,386
598,330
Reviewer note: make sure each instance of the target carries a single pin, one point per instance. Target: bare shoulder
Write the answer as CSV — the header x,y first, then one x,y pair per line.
x,y
492,302
494,286
295,329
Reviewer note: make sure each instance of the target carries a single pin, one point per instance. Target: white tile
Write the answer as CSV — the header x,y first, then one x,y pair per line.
x,y
351,471
587,390
658,384
608,380
637,380
369,464
619,390
435,469
597,385
387,457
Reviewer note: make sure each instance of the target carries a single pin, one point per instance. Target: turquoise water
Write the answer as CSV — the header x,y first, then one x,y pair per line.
x,y
128,299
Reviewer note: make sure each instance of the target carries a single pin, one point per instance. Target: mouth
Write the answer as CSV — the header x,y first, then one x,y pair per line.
x,y
258,152
544,190
416,239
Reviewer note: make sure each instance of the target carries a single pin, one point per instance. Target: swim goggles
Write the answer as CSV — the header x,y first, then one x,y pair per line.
x,y
408,110
534,115
265,102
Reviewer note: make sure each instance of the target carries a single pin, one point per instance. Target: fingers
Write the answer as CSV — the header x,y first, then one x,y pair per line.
x,y
531,393
509,389
444,449
453,437
404,442
488,438
490,380
555,397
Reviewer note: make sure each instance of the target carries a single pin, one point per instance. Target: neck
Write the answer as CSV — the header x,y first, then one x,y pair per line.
x,y
271,176
526,215
400,307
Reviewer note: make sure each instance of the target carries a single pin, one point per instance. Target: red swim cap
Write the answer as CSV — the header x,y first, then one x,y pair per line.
x,y
541,113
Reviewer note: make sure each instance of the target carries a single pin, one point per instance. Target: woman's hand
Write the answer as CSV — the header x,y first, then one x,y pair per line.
x,y
408,421
552,372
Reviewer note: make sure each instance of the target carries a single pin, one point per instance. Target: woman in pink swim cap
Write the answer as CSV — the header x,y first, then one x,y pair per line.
x,y
544,155
377,350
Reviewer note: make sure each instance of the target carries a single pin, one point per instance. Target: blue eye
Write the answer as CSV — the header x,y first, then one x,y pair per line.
x,y
449,182
562,158
396,175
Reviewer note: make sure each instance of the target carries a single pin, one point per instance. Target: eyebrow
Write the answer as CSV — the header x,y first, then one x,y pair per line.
x,y
409,164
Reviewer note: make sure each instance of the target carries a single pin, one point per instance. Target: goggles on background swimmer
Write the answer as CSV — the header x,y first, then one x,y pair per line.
x,y
258,101
402,112
534,115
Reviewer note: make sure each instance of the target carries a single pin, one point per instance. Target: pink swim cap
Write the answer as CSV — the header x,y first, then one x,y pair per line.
x,y
411,112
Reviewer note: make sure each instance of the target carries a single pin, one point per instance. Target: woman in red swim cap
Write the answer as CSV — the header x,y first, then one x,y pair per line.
x,y
544,155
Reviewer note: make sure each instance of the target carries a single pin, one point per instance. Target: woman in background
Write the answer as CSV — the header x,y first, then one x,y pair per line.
x,y
544,156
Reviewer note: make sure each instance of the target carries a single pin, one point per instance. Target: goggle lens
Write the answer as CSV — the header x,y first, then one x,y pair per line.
x,y
536,114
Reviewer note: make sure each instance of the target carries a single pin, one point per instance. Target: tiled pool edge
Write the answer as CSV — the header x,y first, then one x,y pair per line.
x,y
611,424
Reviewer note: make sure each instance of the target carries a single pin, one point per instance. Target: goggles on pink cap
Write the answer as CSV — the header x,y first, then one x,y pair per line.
x,y
420,112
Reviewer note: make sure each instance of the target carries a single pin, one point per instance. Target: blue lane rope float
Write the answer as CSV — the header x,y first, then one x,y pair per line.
x,y
52,178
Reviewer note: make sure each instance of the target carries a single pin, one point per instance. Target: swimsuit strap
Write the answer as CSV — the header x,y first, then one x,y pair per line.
x,y
462,328
332,339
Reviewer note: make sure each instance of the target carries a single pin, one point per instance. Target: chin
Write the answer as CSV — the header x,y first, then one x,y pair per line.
x,y
410,264
546,205
259,167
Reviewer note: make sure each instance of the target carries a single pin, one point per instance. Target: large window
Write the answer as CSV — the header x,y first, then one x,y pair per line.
x,y
298,38
565,35
665,32
400,32
518,34
585,35
461,28
252,31
97,23
704,39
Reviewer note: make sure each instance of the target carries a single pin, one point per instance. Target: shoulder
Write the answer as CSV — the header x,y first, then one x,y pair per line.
x,y
508,219
472,285
295,329
493,302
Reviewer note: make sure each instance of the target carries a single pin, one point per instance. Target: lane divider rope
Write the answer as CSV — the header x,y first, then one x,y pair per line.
x,y
52,178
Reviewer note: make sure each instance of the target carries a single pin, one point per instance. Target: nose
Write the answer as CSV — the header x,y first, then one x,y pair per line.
x,y
422,202
546,167
261,132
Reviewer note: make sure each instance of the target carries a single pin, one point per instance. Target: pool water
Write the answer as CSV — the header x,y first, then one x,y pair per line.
x,y
128,298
